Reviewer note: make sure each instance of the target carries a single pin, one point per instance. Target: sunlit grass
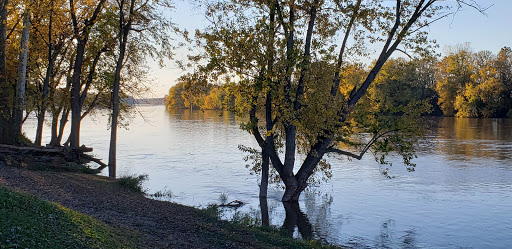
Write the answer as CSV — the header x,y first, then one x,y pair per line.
x,y
27,222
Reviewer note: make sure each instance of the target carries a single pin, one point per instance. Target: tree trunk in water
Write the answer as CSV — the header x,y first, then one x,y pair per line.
x,y
265,218
293,189
22,76
264,173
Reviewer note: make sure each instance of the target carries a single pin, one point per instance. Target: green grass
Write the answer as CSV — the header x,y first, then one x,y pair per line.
x,y
27,222
133,182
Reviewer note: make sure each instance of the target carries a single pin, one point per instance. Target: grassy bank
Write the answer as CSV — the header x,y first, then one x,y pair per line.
x,y
88,211
27,222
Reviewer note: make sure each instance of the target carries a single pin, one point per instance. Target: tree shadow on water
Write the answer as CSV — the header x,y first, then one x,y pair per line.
x,y
294,218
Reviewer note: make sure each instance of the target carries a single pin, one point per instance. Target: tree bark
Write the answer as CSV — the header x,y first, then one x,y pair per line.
x,y
5,135
58,129
19,107
76,110
265,218
54,126
3,43
264,173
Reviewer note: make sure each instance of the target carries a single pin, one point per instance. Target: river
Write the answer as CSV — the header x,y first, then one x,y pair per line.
x,y
460,195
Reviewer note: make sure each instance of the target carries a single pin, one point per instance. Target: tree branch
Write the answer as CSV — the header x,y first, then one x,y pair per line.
x,y
336,80
307,53
13,28
364,150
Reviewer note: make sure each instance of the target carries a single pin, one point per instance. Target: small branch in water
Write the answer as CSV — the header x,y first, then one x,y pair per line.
x,y
233,204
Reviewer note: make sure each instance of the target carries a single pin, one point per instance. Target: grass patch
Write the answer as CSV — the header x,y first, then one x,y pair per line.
x,y
133,182
165,193
27,222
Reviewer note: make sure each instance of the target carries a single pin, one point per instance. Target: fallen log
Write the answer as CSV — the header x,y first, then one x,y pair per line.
x,y
26,154
29,149
96,160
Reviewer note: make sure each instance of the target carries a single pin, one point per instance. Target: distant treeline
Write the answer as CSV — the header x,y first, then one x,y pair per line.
x,y
146,101
462,83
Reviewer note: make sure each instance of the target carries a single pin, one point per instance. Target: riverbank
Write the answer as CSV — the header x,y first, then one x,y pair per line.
x,y
159,224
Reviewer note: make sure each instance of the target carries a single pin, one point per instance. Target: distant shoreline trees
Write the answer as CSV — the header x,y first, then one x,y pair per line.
x,y
461,84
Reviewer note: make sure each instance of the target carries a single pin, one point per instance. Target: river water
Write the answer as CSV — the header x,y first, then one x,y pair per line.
x,y
460,195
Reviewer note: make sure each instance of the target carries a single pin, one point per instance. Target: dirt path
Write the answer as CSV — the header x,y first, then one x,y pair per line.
x,y
163,224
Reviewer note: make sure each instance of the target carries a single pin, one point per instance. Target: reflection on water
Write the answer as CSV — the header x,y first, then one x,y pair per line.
x,y
296,218
466,138
459,197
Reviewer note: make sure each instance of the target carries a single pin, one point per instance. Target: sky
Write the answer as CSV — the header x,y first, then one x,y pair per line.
x,y
490,31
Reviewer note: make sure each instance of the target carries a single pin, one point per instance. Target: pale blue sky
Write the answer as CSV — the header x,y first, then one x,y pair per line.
x,y
484,32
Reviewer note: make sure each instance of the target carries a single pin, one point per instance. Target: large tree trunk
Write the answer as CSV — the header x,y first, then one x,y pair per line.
x,y
19,107
76,109
76,84
293,189
5,135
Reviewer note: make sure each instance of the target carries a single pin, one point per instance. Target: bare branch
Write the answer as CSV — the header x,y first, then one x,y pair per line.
x,y
375,137
403,51
13,28
336,80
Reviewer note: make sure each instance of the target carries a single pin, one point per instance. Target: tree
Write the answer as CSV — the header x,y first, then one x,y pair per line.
x,y
22,74
82,30
5,133
484,95
51,39
174,100
454,72
294,75
141,17
503,65
125,23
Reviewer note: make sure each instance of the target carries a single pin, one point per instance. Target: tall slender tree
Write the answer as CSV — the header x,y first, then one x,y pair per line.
x,y
150,29
125,26
19,106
